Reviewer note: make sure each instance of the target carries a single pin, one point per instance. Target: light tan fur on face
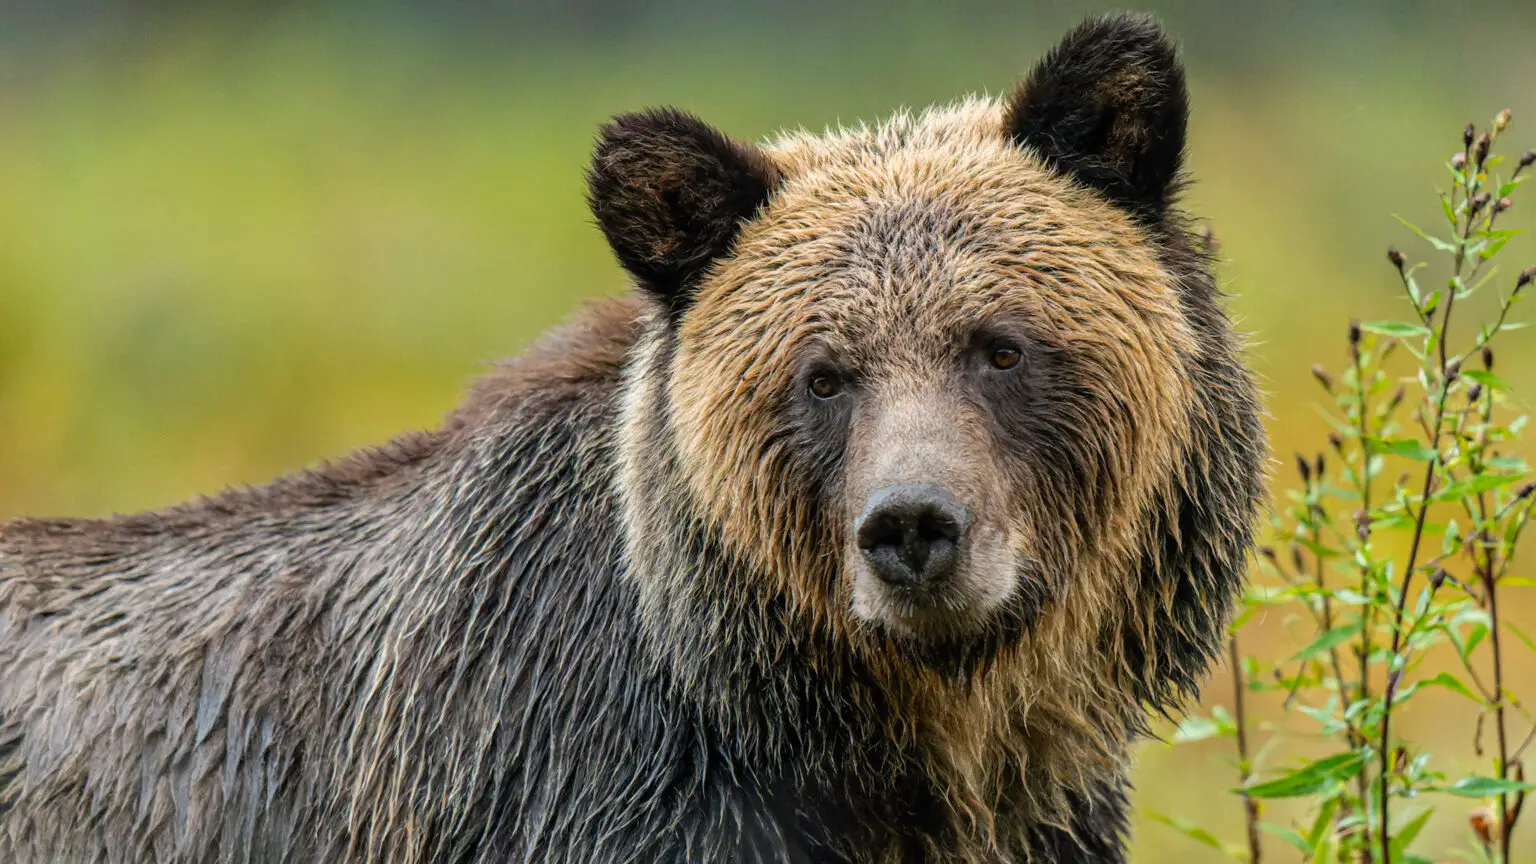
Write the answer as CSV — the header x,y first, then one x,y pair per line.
x,y
983,232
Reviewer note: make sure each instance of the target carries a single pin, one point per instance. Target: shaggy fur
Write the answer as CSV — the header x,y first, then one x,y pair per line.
x,y
609,612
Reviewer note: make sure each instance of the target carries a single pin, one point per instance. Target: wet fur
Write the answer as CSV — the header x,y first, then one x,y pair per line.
x,y
597,615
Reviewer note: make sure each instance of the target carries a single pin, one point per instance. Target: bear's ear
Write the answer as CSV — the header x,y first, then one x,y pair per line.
x,y
1108,107
671,194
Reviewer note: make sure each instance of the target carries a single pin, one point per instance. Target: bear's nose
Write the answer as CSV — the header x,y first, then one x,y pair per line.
x,y
911,534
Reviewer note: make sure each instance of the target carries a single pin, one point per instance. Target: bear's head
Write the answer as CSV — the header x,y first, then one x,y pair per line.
x,y
938,393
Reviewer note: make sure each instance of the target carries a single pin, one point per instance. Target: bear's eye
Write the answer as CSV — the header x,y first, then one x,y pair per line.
x,y
825,385
1004,357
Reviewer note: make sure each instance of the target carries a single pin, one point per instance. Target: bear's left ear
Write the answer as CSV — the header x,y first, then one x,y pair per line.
x,y
671,193
1108,107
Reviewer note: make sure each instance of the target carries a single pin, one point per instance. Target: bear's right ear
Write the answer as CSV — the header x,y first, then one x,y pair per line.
x,y
671,193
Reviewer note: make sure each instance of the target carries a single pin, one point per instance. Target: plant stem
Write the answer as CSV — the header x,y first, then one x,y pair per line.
x,y
1351,735
1240,716
1491,594
1395,675
1366,590
1498,689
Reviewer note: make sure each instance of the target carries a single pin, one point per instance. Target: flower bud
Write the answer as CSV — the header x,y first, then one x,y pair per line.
x,y
1502,204
1528,158
1475,393
1467,135
1482,825
1479,201
1501,122
1297,561
1305,469
1322,376
1320,467
1354,332
1453,371
1487,357
1395,257
1336,441
1459,160
1525,278
1268,552
1480,149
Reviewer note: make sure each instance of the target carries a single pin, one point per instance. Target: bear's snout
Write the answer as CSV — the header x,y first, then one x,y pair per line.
x,y
912,534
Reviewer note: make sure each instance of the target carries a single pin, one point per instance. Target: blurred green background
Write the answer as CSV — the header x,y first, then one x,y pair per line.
x,y
239,237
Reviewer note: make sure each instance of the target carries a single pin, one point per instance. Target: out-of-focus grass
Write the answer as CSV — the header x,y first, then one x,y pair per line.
x,y
223,256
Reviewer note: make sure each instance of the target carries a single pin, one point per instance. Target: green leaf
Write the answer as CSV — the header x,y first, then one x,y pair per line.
x,y
1394,522
1450,216
1486,378
1322,822
1409,447
1328,639
1479,631
1451,682
1473,485
1433,241
1473,786
1396,329
1317,548
1406,834
1520,634
1493,248
1311,779
1189,829
1288,836
1196,729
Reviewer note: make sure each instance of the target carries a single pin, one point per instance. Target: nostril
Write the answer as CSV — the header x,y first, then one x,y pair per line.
x,y
880,529
935,525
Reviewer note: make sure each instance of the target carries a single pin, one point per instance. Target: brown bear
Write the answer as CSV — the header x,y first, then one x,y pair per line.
x,y
916,470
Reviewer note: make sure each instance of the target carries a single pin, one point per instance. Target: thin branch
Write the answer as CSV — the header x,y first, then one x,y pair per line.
x,y
1240,717
1395,675
1368,623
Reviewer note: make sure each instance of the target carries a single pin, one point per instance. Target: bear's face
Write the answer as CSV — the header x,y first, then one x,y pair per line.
x,y
951,372
934,386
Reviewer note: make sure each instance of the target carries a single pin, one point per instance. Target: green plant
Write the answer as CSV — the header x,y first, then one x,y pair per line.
x,y
1394,553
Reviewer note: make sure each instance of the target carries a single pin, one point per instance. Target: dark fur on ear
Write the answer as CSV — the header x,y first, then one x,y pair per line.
x,y
1108,106
671,193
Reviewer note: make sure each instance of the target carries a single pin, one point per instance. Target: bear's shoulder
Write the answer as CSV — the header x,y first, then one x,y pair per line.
x,y
580,361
